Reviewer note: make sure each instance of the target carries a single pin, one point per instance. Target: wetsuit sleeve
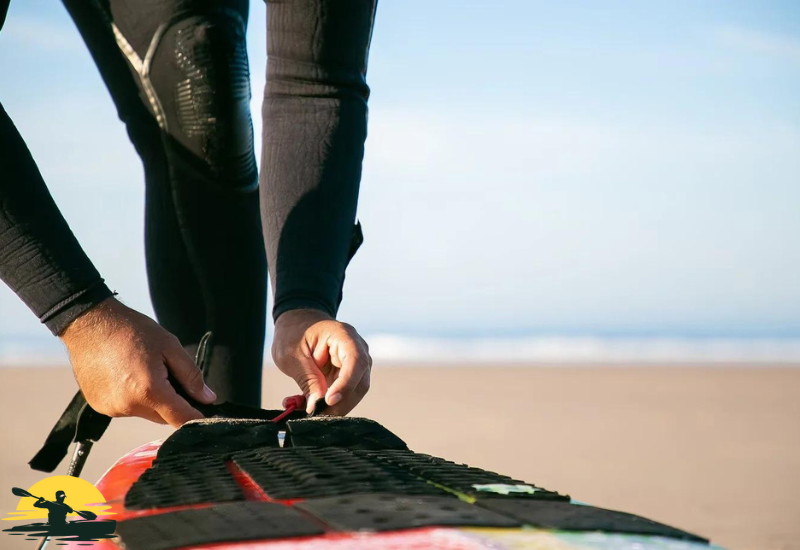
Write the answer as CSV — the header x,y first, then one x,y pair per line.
x,y
40,504
315,125
40,258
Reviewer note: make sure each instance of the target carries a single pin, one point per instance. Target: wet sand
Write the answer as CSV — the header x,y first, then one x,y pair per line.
x,y
709,449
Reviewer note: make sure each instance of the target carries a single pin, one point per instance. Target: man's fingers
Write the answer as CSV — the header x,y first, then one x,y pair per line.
x,y
149,414
306,373
187,374
327,359
354,362
349,401
174,409
158,401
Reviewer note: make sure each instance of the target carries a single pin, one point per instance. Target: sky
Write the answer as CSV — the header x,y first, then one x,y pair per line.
x,y
578,169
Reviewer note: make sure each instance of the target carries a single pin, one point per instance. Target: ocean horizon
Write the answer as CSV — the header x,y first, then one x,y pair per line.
x,y
31,351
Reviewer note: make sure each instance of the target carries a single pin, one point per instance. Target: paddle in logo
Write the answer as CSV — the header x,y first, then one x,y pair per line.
x,y
57,500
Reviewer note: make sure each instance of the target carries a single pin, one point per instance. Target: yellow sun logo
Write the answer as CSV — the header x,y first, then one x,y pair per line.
x,y
80,495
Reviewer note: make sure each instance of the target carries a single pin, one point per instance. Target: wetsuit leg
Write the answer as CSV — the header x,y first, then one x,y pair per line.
x,y
178,73
315,125
3,12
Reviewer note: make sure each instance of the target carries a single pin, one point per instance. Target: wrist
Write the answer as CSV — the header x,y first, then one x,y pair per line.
x,y
64,312
304,314
301,302
91,320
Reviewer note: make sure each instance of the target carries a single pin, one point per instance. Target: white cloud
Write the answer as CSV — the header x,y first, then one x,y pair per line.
x,y
408,143
479,222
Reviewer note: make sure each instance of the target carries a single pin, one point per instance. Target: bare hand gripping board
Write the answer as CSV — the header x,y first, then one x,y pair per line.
x,y
344,483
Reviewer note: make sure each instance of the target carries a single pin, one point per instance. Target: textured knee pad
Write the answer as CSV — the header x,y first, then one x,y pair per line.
x,y
200,73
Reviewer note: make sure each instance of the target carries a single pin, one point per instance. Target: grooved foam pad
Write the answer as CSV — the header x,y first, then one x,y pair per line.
x,y
305,472
385,512
223,523
576,517
337,431
185,479
458,477
220,437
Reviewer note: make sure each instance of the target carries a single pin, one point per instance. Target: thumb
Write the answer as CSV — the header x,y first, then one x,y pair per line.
x,y
304,370
187,374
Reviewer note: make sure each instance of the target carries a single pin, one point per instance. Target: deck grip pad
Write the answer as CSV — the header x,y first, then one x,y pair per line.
x,y
337,431
220,437
306,472
576,517
231,522
386,512
457,477
190,478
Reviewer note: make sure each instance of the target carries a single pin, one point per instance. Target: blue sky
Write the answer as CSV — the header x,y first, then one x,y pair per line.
x,y
574,168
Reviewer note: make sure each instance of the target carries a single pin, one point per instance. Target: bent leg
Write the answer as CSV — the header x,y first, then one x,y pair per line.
x,y
178,74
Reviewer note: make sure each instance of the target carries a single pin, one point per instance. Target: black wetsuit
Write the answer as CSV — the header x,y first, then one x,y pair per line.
x,y
56,511
178,73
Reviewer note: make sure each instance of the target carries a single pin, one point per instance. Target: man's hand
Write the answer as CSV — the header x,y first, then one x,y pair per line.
x,y
121,360
325,357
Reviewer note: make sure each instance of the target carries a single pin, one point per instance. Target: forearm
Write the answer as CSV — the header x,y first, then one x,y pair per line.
x,y
40,259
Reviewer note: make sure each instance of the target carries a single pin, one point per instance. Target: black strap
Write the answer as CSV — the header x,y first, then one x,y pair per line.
x,y
79,422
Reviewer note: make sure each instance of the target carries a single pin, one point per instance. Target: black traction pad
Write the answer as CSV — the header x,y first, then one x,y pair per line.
x,y
457,477
190,478
577,517
220,437
233,522
385,512
337,431
306,472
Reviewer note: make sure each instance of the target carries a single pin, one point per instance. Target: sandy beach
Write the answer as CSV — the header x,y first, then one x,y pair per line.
x,y
709,449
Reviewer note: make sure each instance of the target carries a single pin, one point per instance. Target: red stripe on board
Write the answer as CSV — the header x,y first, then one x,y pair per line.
x,y
251,489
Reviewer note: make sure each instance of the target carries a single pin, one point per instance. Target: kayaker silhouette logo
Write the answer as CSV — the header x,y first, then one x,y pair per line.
x,y
55,501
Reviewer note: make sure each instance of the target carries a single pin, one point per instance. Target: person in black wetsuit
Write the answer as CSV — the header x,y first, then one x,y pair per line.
x,y
178,73
56,511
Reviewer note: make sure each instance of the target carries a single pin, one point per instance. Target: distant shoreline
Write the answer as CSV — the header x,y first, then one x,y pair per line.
x,y
532,350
